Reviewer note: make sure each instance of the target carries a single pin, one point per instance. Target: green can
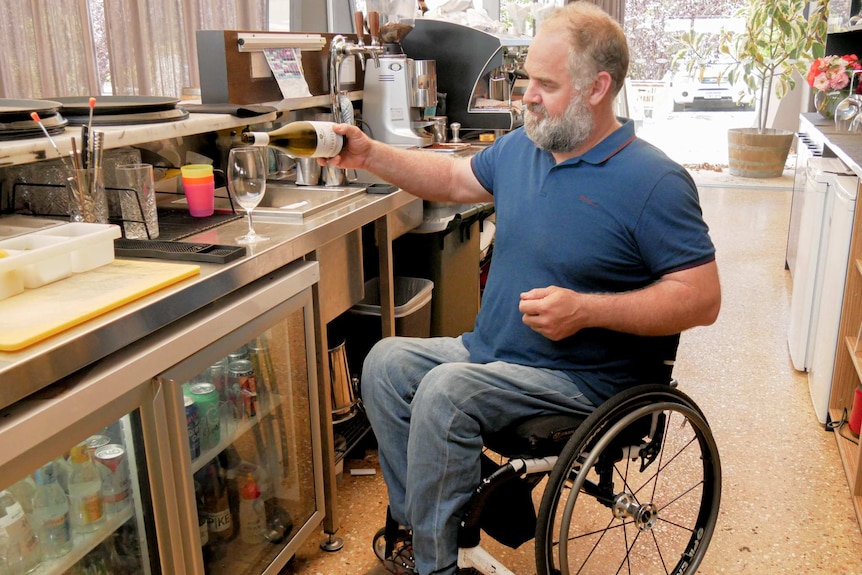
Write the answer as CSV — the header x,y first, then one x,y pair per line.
x,y
205,397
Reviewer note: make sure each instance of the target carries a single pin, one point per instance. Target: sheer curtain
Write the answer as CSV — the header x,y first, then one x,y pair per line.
x,y
122,47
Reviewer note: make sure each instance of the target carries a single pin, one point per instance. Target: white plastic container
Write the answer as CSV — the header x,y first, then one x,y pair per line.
x,y
92,244
41,257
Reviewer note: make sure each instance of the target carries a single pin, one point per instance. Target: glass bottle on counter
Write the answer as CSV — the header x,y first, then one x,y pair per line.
x,y
86,507
51,513
21,550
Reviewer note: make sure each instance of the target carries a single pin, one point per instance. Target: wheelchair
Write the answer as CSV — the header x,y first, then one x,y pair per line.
x,y
634,487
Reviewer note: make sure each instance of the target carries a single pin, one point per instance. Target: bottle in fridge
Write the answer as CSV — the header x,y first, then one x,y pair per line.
x,y
86,507
20,551
51,513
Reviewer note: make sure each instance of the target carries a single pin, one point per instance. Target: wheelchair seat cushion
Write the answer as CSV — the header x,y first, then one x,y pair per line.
x,y
537,436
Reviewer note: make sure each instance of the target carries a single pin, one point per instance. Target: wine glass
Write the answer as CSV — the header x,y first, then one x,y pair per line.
x,y
848,110
246,176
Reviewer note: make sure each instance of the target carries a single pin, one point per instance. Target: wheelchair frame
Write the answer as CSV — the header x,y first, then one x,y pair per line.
x,y
633,487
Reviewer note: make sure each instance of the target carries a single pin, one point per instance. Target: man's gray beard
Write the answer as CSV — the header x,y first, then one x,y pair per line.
x,y
559,134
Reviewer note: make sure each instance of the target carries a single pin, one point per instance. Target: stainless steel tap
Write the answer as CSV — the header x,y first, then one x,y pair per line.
x,y
340,48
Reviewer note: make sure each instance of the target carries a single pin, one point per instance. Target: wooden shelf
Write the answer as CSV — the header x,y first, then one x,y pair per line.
x,y
849,453
847,373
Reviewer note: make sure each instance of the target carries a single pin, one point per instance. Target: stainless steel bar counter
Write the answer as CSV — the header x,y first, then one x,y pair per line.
x,y
39,366
29,370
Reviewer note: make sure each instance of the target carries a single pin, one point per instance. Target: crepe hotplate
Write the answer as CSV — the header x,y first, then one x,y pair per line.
x,y
20,110
121,110
106,105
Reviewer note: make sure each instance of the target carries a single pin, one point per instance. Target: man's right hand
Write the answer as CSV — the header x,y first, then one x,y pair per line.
x,y
357,147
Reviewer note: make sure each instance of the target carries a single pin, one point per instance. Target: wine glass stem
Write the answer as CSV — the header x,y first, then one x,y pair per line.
x,y
250,228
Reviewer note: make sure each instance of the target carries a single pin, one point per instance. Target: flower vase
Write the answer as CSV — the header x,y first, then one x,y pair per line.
x,y
825,102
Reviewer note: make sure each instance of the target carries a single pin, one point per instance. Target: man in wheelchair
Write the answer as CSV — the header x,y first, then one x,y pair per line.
x,y
601,259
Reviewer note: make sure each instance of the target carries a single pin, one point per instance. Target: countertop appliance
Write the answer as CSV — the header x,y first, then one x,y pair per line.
x,y
810,259
477,71
396,93
840,209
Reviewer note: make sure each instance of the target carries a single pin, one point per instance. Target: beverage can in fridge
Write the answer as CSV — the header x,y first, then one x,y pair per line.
x,y
240,354
214,374
94,442
241,378
193,426
116,483
205,397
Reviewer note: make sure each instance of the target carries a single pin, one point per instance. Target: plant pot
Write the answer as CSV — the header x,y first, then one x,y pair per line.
x,y
752,154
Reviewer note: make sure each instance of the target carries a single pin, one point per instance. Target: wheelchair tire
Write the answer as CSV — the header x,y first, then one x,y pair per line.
x,y
654,520
379,544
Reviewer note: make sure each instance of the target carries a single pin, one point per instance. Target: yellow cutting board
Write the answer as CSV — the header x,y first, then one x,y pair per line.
x,y
37,314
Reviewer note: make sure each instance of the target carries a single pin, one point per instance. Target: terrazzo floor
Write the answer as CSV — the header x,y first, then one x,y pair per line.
x,y
786,507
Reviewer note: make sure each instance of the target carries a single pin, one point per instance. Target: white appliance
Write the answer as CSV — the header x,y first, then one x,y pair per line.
x,y
806,148
807,278
840,209
395,95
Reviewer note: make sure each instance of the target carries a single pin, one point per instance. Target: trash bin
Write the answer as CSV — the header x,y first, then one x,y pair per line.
x,y
446,249
360,326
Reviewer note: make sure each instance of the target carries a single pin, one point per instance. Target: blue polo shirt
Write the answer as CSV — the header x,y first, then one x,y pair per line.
x,y
615,219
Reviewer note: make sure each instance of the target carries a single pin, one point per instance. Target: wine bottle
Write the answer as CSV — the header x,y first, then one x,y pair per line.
x,y
217,505
300,139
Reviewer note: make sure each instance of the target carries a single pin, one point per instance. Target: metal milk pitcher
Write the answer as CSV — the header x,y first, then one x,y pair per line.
x,y
343,395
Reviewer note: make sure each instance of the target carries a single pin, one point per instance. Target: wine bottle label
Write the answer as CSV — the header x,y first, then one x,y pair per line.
x,y
219,521
328,142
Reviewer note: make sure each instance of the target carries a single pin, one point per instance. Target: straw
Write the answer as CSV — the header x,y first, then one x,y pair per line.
x,y
35,117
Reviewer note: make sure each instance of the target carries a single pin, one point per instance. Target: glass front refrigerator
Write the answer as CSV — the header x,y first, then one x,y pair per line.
x,y
194,450
244,424
80,469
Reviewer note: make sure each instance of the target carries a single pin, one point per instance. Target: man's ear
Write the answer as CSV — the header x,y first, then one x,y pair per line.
x,y
601,88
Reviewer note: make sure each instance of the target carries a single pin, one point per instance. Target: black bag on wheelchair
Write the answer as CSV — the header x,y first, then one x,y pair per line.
x,y
508,515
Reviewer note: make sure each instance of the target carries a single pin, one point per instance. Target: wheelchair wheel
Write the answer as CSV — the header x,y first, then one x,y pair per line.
x,y
608,508
379,544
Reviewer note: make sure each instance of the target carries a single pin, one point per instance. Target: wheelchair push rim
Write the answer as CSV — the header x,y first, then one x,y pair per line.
x,y
658,519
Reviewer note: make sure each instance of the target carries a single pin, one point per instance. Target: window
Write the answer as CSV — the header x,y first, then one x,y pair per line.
x,y
121,47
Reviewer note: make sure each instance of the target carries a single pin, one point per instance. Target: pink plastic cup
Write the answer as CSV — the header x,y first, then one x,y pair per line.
x,y
199,187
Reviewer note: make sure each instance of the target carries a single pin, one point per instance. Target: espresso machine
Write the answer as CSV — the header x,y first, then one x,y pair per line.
x,y
398,90
481,72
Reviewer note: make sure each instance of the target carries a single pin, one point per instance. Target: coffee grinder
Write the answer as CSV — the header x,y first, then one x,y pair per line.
x,y
398,91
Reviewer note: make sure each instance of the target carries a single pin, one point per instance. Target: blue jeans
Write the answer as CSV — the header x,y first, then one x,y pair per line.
x,y
428,406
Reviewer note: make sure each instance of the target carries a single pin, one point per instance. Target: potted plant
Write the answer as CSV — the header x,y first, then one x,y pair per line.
x,y
774,48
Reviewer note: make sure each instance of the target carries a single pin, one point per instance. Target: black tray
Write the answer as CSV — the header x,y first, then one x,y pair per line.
x,y
185,251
